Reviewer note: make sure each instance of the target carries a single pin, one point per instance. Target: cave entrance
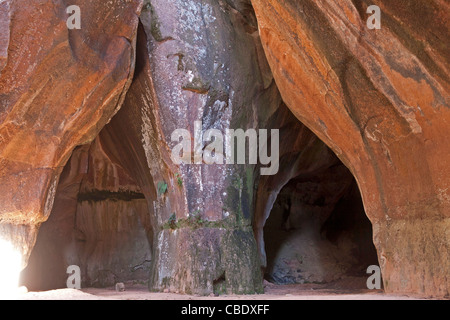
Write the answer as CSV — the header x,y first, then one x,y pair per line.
x,y
102,215
318,232
99,222
309,223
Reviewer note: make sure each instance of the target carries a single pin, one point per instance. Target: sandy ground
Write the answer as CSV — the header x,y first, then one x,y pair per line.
x,y
272,292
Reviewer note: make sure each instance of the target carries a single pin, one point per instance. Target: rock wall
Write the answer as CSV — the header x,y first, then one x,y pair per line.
x,y
305,227
198,61
317,231
376,99
301,153
200,215
58,88
99,222
379,99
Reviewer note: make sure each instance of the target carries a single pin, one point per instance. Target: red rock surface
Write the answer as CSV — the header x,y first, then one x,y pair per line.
x,y
58,88
186,71
379,99
195,62
99,222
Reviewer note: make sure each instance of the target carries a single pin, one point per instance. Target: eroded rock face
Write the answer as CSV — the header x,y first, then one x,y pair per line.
x,y
198,62
318,232
195,61
58,88
307,222
379,99
99,222
301,152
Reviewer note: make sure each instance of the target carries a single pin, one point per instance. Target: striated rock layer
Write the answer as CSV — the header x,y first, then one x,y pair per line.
x,y
99,222
379,99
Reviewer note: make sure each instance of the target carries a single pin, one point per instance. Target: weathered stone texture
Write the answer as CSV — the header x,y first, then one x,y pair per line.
x,y
58,88
379,99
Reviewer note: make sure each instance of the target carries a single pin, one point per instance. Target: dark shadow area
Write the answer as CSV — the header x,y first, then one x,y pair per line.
x,y
317,232
309,223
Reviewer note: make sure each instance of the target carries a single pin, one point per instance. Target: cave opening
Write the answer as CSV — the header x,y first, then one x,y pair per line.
x,y
99,222
318,233
102,216
310,223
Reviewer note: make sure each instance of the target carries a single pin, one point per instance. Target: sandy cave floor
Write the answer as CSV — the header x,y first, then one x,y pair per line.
x,y
341,290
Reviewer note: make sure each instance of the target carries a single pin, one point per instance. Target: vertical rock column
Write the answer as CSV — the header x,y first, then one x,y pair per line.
x,y
197,61
379,99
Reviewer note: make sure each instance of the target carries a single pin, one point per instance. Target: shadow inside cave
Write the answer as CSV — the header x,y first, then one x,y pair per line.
x,y
309,223
99,222
318,233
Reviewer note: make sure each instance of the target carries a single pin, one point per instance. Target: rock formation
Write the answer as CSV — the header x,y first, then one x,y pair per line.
x,y
379,99
99,222
58,88
197,61
200,215
87,117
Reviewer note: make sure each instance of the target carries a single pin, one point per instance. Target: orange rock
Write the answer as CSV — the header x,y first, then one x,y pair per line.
x,y
379,99
58,88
